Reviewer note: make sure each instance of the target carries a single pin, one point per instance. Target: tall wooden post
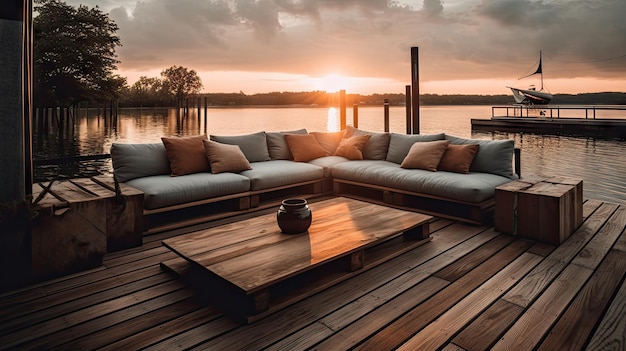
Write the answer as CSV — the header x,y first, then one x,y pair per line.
x,y
415,99
15,99
205,114
386,113
355,115
342,109
407,105
16,63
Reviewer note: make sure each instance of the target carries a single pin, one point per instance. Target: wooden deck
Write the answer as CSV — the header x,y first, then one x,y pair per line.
x,y
470,288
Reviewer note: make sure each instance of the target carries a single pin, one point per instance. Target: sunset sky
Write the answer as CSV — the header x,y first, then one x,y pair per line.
x,y
363,46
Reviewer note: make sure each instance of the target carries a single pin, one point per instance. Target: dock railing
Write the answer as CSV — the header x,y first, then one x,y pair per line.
x,y
550,111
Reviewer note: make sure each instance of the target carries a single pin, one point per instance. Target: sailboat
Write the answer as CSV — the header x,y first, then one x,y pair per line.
x,y
532,96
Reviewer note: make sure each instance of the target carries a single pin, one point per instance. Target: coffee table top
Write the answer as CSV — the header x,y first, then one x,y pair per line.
x,y
253,254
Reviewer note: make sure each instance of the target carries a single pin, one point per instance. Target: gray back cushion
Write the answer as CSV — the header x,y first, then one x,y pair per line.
x,y
376,147
493,156
399,144
132,161
277,145
253,146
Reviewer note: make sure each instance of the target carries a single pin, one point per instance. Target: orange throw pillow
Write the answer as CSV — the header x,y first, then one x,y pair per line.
x,y
352,148
225,157
425,155
304,147
186,154
458,158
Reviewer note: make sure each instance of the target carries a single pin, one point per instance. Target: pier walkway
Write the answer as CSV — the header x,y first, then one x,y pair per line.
x,y
470,288
607,122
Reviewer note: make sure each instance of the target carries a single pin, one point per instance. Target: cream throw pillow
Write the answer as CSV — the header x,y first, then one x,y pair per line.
x,y
225,157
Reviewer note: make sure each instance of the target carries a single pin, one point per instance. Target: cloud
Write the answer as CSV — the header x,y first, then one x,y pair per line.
x,y
458,39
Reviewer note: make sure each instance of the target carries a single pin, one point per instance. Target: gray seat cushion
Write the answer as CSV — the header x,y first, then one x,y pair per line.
x,y
327,163
277,173
132,161
164,190
473,187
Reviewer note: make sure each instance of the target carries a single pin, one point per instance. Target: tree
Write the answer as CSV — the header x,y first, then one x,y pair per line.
x,y
74,54
146,90
181,82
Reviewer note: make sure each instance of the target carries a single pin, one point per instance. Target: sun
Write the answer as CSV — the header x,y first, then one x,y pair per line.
x,y
331,83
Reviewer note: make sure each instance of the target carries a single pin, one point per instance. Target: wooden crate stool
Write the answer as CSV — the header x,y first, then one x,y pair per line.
x,y
550,211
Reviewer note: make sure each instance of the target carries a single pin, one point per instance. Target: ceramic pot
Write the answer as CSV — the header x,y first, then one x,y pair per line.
x,y
294,216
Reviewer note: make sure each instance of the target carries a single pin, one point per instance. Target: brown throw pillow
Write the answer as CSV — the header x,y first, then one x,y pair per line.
x,y
352,148
225,158
304,147
328,140
425,155
458,158
186,154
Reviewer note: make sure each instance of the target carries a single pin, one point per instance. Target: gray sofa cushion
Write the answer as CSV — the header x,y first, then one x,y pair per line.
x,y
132,161
277,173
277,145
493,156
163,190
399,144
327,163
473,187
254,146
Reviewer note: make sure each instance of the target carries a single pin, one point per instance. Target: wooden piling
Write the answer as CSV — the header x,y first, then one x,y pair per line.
x,y
415,101
342,109
355,115
386,113
407,104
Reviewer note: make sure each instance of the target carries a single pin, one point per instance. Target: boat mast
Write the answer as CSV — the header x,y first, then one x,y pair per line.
x,y
540,71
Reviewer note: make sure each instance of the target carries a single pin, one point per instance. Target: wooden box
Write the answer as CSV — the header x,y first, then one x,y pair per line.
x,y
506,198
80,220
549,211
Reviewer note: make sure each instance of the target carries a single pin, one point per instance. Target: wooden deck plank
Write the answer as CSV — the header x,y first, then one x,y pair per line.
x,y
80,316
488,327
83,336
531,327
437,333
591,255
568,306
577,323
611,332
542,276
356,309
410,323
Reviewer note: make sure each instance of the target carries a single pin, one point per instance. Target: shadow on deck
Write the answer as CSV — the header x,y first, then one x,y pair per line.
x,y
470,288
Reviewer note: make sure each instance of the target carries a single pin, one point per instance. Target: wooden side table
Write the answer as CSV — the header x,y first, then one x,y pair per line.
x,y
543,209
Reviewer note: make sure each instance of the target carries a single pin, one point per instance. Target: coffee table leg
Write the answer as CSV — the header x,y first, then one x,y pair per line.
x,y
418,233
357,260
259,301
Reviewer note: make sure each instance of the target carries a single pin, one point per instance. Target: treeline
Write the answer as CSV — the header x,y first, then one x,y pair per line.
x,y
321,98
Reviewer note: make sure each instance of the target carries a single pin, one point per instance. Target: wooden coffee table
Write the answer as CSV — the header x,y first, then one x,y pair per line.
x,y
250,269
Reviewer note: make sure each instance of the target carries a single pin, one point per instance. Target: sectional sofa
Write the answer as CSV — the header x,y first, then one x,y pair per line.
x,y
193,179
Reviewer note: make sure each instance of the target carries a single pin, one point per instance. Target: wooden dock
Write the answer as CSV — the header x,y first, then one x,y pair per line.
x,y
470,288
592,121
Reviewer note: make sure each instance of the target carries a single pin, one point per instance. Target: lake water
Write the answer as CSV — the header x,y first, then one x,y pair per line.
x,y
600,163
